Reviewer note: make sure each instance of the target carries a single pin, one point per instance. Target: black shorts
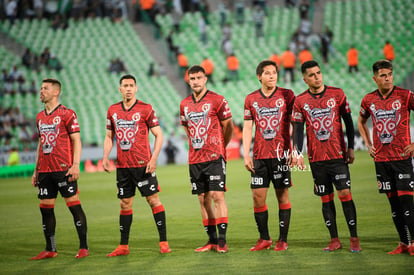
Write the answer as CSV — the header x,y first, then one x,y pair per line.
x,y
128,179
266,170
394,176
53,182
208,176
328,173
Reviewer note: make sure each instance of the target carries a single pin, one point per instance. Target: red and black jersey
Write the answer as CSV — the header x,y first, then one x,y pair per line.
x,y
391,122
271,116
202,119
131,129
322,114
56,151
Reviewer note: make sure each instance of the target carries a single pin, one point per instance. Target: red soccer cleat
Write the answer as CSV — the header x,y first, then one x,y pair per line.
x,y
207,247
335,244
355,245
281,245
121,250
222,248
401,248
164,247
45,255
83,252
261,245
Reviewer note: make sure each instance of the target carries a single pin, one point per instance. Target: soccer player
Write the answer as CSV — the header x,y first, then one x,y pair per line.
x,y
206,118
129,121
270,109
389,107
321,107
57,167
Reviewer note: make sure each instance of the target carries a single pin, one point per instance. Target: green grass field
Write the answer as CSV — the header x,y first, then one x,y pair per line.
x,y
21,233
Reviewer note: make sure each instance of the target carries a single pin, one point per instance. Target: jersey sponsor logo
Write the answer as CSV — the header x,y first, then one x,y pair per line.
x,y
142,183
126,130
246,112
49,134
198,125
411,184
340,176
322,119
404,176
221,184
269,119
386,121
297,116
63,183
217,177
226,111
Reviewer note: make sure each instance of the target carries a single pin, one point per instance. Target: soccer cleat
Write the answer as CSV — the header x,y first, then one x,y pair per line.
x,y
401,248
281,245
119,251
333,245
82,253
207,247
45,255
355,245
261,245
222,246
411,249
164,247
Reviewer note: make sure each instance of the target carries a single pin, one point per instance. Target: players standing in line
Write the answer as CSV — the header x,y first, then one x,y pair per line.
x,y
389,107
130,121
270,109
57,167
206,118
321,108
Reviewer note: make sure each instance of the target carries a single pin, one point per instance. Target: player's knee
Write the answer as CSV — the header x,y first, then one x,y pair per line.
x,y
153,200
344,193
126,204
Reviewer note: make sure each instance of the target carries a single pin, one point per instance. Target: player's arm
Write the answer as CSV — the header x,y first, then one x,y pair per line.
x,y
247,143
152,164
227,126
73,171
108,143
297,156
35,173
350,134
364,131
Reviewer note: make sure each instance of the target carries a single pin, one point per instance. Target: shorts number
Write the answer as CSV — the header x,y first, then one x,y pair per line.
x,y
257,181
43,191
320,188
121,191
194,186
384,185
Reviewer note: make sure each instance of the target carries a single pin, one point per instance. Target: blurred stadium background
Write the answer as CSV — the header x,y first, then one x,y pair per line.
x,y
86,45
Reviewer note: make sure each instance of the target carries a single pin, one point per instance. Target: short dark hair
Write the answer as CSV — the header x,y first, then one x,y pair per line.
x,y
53,82
381,64
127,76
196,69
264,63
308,64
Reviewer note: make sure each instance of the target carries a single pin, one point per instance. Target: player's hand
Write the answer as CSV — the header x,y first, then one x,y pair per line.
x,y
350,157
151,166
371,151
105,164
35,179
409,149
300,163
73,173
248,163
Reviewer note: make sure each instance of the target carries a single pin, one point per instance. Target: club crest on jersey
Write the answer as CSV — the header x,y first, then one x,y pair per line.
x,y
198,125
322,119
126,131
386,121
269,119
48,135
136,117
